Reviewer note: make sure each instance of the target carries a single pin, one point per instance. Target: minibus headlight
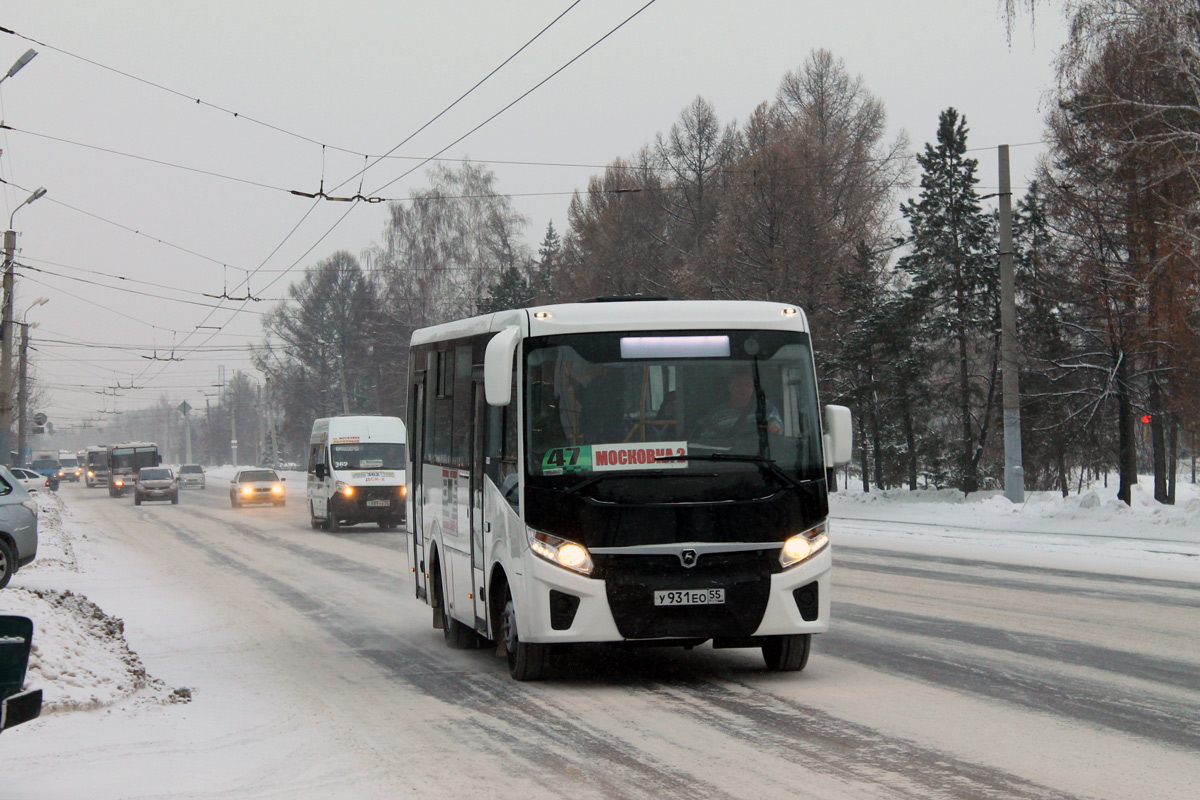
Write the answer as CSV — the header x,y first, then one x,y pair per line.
x,y
558,551
403,490
804,545
345,488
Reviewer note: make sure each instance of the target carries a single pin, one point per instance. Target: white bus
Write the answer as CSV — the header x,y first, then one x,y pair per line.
x,y
633,471
356,472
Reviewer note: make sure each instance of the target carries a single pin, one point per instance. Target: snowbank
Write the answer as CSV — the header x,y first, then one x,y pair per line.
x,y
80,658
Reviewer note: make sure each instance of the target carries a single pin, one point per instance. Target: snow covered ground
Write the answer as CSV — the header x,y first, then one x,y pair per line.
x,y
84,665
82,662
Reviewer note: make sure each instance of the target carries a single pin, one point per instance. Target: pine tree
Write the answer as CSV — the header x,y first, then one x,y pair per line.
x,y
511,291
543,275
954,278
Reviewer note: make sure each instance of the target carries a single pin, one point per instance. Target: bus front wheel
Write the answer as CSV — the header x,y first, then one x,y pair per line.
x,y
786,653
526,661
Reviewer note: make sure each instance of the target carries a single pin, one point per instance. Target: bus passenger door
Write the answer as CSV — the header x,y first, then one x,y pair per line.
x,y
416,489
479,521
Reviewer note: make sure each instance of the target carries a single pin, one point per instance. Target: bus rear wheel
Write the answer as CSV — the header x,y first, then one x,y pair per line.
x,y
786,653
458,636
526,661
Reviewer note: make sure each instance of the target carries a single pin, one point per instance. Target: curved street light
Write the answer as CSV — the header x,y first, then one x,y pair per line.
x,y
39,192
19,63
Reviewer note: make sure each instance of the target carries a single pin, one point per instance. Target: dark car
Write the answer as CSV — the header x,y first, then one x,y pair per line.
x,y
155,483
256,486
17,704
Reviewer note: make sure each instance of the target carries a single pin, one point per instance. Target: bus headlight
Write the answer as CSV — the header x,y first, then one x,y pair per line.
x,y
804,545
558,551
403,490
345,488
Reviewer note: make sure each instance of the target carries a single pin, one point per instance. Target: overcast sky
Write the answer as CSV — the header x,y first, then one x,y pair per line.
x,y
113,90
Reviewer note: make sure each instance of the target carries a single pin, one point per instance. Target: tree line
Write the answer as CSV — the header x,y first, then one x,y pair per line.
x,y
893,257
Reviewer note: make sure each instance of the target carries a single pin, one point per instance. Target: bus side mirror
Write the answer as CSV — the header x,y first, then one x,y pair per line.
x,y
498,366
839,434
319,471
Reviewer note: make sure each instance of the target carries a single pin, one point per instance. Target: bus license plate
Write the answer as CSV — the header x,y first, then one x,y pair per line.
x,y
689,597
379,503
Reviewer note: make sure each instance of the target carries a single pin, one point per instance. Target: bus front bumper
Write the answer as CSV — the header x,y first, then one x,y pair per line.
x,y
564,607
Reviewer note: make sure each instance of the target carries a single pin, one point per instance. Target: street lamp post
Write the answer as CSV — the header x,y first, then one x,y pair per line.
x,y
23,413
25,58
6,326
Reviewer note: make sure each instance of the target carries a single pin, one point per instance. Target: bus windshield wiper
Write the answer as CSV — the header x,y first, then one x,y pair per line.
x,y
766,463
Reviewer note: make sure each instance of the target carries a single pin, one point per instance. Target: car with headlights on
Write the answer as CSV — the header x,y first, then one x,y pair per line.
x,y
155,483
18,526
191,475
256,486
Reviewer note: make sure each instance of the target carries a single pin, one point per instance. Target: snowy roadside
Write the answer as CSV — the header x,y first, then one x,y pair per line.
x,y
1092,531
82,661
80,658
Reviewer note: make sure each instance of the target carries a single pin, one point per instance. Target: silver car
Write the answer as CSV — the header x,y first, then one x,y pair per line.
x,y
155,483
18,526
191,475
256,486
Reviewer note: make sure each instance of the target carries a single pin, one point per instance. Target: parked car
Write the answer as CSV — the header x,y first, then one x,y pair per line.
x,y
18,526
256,486
17,704
155,483
191,475
32,481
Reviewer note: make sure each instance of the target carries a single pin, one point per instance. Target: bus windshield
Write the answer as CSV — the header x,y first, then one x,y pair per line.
x,y
633,404
368,455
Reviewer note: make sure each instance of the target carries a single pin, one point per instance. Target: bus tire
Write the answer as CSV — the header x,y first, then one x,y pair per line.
x,y
331,521
526,661
314,521
786,653
458,636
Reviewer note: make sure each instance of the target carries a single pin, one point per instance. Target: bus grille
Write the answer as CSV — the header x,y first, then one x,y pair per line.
x,y
631,581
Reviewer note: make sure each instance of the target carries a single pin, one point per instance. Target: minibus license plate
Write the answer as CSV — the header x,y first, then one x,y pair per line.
x,y
379,503
689,597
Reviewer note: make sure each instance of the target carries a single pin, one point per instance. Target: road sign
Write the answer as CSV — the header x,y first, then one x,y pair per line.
x,y
39,418
184,408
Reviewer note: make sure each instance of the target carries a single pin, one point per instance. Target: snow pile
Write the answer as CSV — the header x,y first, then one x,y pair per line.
x,y
80,658
1097,508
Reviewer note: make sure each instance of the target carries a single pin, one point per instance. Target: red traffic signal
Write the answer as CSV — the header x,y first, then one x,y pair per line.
x,y
1146,418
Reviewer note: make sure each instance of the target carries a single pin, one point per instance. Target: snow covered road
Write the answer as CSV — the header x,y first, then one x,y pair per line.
x,y
993,663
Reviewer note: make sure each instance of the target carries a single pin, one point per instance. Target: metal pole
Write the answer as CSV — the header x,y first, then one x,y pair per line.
x,y
1014,472
23,390
187,439
6,327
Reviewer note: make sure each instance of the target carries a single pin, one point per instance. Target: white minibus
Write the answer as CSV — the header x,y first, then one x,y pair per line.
x,y
356,472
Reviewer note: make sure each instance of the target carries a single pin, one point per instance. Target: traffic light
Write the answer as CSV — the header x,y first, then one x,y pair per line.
x,y
1146,418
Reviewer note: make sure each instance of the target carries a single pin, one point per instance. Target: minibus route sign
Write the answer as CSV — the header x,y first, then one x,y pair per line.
x,y
611,457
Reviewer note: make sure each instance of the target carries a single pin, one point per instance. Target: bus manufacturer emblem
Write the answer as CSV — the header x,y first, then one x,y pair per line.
x,y
688,558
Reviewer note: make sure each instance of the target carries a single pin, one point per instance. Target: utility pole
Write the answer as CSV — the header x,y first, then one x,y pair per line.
x,y
1014,472
233,431
23,383
6,327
